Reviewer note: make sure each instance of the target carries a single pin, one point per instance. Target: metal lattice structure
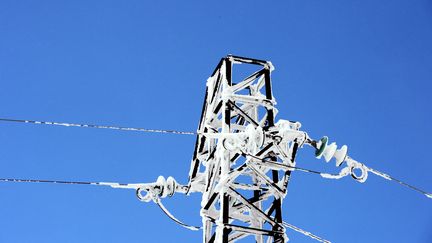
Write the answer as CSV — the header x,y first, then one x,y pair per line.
x,y
242,161
242,196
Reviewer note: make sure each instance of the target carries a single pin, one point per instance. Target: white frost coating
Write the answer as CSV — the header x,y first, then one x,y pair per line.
x,y
99,126
216,152
329,152
190,227
378,173
344,172
352,165
304,232
247,141
270,66
340,155
388,177
289,130
210,86
123,186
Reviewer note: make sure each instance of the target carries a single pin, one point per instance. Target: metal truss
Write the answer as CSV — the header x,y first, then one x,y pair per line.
x,y
242,161
241,156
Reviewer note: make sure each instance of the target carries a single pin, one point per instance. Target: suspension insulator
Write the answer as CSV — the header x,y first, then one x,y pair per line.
x,y
171,185
161,187
340,155
329,151
322,144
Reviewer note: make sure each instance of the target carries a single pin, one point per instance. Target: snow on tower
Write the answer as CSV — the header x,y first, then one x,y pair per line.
x,y
242,195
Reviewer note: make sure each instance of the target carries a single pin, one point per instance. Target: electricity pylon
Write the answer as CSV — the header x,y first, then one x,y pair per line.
x,y
242,196
242,161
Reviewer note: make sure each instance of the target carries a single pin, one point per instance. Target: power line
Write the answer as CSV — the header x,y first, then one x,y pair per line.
x,y
135,186
232,123
110,184
132,185
390,178
304,232
157,200
48,181
65,124
169,215
289,167
338,176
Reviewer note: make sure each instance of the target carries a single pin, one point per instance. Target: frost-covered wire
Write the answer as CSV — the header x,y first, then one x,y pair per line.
x,y
48,181
167,213
347,171
390,178
304,232
292,168
134,186
65,124
110,184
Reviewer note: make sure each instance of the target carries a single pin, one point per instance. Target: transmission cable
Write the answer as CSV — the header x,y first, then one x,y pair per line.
x,y
390,178
110,184
134,186
156,199
304,232
65,124
338,176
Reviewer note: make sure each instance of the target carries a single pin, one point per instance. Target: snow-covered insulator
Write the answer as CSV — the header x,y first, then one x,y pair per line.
x,y
166,187
171,185
320,147
246,141
288,131
340,155
161,188
329,151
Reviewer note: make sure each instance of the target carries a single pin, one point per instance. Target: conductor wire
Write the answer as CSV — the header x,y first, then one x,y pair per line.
x,y
65,124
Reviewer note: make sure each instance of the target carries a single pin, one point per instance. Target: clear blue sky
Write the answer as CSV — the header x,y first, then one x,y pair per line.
x,y
357,71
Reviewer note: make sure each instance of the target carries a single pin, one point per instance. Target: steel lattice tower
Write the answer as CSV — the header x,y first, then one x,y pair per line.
x,y
242,196
242,160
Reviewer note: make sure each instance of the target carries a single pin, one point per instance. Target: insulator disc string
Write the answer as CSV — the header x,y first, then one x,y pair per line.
x,y
65,124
